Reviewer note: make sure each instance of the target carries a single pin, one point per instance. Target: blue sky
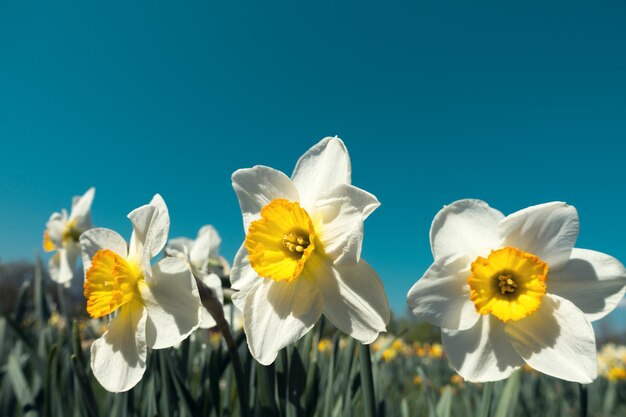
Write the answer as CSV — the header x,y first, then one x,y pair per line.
x,y
517,103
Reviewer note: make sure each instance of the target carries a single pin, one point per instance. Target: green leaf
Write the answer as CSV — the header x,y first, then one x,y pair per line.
x,y
444,406
21,388
509,396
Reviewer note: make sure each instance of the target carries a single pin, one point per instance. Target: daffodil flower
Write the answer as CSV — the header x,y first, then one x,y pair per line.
x,y
153,306
202,255
513,290
302,254
62,234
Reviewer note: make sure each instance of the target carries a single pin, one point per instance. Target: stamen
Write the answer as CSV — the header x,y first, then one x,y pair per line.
x,y
295,243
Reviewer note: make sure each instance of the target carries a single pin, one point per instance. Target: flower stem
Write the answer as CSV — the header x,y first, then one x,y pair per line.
x,y
583,400
485,404
266,384
212,304
367,381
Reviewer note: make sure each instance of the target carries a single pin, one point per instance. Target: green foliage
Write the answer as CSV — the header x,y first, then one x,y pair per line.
x,y
45,371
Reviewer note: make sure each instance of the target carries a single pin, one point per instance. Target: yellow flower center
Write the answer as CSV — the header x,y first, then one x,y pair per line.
x,y
71,233
110,282
509,284
281,241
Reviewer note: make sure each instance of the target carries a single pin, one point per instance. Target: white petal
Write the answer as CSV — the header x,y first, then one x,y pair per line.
x,y
242,277
173,304
178,248
204,247
215,284
593,281
442,295
547,230
354,297
55,228
66,263
81,210
242,274
99,238
465,227
278,313
118,358
481,353
53,266
151,225
338,216
256,187
557,340
321,168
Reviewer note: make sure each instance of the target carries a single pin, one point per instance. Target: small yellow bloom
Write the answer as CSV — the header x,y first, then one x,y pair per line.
x,y
417,380
457,379
324,345
436,351
616,374
389,354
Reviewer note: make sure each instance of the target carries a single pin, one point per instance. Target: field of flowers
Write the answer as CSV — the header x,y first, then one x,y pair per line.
x,y
46,372
299,325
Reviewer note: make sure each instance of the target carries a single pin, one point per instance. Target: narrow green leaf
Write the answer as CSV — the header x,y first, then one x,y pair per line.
x,y
444,406
265,385
21,388
509,396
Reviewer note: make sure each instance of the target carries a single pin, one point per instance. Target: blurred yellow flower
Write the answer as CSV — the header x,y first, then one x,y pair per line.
x,y
325,345
417,380
616,374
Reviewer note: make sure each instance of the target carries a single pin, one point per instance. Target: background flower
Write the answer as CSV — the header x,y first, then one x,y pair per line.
x,y
154,307
62,233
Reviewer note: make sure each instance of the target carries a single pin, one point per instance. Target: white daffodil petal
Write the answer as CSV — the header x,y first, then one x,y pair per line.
x,y
151,224
547,230
55,228
481,353
81,211
321,168
593,281
141,218
339,216
215,239
178,248
67,263
278,313
257,186
118,358
354,297
203,247
442,297
53,266
465,227
171,298
557,340
99,238
214,283
242,275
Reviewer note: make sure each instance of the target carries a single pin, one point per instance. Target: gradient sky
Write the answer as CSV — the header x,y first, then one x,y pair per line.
x,y
513,102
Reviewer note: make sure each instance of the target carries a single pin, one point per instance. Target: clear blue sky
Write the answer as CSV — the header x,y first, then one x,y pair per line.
x,y
517,103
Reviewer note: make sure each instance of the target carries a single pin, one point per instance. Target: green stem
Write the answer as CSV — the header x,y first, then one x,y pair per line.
x,y
367,381
583,400
265,383
485,404
212,304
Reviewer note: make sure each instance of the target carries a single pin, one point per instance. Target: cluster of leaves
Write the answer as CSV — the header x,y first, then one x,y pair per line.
x,y
45,372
